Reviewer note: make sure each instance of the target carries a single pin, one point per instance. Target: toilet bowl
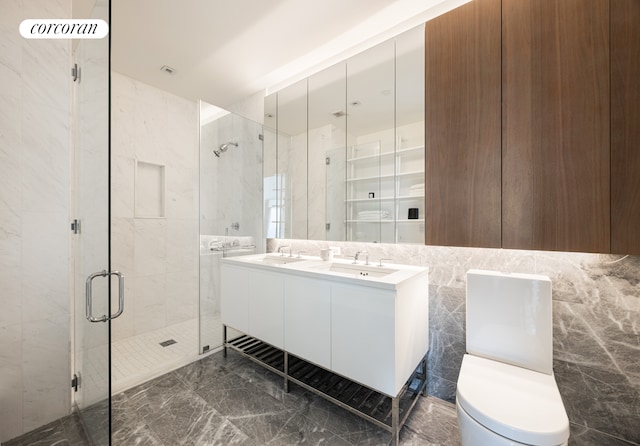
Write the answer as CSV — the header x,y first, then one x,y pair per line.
x,y
506,392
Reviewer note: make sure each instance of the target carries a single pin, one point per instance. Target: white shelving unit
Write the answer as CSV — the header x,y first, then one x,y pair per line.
x,y
381,188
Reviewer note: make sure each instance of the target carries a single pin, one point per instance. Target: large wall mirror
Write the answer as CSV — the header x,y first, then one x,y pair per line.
x,y
344,149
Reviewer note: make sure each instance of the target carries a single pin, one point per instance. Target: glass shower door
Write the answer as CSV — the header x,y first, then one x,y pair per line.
x,y
91,234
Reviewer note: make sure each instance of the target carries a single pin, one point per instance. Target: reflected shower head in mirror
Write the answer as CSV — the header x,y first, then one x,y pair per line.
x,y
223,148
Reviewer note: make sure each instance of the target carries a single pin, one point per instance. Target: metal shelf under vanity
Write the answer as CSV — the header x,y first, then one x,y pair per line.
x,y
389,413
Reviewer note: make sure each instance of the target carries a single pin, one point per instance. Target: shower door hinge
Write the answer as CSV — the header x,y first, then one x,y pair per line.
x,y
261,137
75,226
327,161
75,72
327,226
75,382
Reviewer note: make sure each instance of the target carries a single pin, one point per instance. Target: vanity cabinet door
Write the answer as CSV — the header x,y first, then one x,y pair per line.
x,y
307,319
363,336
234,292
266,306
555,128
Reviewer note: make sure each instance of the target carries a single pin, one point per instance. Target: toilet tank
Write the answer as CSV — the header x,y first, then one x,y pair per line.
x,y
509,319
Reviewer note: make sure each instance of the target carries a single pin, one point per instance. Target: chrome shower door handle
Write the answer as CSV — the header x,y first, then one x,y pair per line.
x,y
89,297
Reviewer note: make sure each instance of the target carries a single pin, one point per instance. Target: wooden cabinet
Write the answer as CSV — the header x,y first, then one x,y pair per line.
x,y
625,126
462,126
555,125
568,142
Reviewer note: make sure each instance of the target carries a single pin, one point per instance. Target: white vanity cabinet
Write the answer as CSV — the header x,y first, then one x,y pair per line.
x,y
307,319
366,323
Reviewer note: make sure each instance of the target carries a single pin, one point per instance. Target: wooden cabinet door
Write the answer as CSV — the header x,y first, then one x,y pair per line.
x,y
555,125
462,126
625,126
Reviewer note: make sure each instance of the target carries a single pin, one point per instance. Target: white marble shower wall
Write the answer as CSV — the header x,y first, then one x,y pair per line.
x,y
158,255
34,215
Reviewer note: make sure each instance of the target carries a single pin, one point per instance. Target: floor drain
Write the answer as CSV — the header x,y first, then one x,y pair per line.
x,y
168,342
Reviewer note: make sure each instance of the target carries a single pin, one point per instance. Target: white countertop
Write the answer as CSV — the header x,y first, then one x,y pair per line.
x,y
388,276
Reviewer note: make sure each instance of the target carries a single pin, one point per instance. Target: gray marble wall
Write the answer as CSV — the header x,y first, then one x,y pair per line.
x,y
596,325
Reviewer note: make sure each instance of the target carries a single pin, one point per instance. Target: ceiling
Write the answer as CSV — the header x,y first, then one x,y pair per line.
x,y
224,51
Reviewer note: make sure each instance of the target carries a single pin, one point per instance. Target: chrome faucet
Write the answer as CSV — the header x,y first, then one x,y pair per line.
x,y
366,257
282,248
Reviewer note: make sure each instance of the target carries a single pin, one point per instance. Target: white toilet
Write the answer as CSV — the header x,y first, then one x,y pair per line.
x,y
506,392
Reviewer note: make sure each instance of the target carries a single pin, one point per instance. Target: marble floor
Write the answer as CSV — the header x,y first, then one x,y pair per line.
x,y
229,401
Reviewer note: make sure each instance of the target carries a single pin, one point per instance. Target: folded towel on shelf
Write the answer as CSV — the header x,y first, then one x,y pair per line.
x,y
373,215
416,189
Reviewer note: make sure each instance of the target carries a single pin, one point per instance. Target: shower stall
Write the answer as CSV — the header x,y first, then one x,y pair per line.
x,y
230,205
179,204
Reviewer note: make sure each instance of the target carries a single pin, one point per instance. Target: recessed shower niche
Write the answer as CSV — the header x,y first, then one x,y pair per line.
x,y
150,191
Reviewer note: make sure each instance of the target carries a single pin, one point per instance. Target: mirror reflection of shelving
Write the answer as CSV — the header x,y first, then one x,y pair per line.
x,y
385,194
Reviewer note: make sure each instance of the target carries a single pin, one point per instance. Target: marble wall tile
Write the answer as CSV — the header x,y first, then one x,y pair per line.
x,y
150,303
123,109
599,399
182,192
46,371
150,121
46,174
11,41
11,380
124,326
122,180
150,246
45,275
181,296
182,132
45,73
182,244
10,272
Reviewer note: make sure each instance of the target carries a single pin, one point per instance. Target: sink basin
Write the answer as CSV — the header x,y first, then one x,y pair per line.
x,y
280,260
357,270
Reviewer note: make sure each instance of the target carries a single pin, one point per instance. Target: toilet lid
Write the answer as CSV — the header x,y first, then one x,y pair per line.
x,y
520,404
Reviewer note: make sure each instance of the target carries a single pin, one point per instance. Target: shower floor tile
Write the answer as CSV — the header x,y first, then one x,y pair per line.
x,y
140,358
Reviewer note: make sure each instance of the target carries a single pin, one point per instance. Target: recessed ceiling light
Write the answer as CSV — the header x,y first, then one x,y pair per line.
x,y
167,69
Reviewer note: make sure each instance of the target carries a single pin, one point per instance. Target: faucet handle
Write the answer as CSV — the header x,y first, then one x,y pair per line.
x,y
380,264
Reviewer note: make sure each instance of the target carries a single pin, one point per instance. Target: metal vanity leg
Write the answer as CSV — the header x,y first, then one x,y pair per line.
x,y
286,372
395,420
224,340
424,376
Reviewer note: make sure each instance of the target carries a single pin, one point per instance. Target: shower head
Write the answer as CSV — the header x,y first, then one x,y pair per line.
x,y
223,148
